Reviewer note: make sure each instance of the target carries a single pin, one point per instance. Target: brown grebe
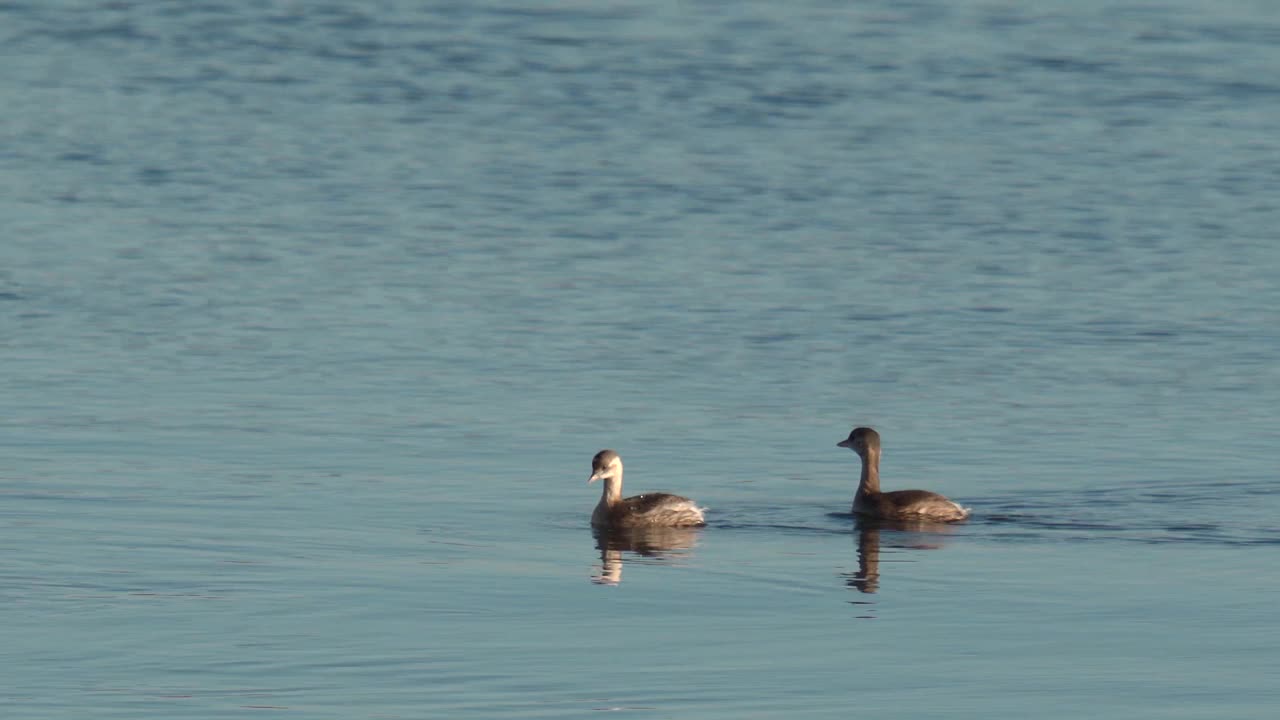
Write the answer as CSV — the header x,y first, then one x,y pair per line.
x,y
648,510
899,504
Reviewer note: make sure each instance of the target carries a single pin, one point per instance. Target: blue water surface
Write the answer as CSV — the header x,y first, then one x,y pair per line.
x,y
312,316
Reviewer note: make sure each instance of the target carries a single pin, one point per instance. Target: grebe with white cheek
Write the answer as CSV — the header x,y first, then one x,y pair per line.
x,y
648,510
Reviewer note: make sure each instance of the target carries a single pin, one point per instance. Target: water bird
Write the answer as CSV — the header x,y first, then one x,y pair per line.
x,y
648,510
898,504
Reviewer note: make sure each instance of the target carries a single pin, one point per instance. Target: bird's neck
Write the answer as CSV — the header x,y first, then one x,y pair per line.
x,y
611,493
869,481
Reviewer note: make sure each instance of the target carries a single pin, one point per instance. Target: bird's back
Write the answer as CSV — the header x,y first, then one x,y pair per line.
x,y
657,510
912,505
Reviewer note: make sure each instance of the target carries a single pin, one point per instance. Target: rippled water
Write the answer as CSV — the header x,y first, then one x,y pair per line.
x,y
313,315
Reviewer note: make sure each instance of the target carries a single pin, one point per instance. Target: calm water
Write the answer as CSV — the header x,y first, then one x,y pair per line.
x,y
313,314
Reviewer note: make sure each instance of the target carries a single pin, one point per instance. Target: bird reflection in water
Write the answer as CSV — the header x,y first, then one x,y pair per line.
x,y
871,534
661,545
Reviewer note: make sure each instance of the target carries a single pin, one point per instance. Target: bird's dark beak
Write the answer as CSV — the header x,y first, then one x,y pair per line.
x,y
844,443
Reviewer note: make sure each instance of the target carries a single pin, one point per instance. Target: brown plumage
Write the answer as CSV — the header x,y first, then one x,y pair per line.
x,y
898,504
648,510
